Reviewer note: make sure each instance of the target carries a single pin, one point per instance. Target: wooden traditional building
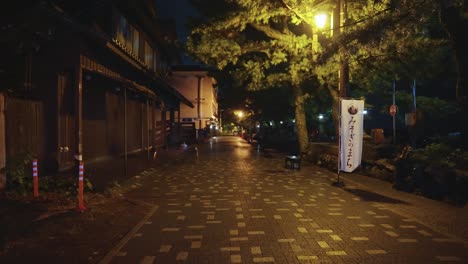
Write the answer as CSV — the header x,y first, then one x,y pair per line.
x,y
84,80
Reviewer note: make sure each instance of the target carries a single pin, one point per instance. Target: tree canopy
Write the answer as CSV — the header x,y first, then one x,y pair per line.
x,y
275,43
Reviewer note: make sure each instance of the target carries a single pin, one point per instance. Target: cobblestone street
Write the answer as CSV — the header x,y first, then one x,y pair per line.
x,y
234,204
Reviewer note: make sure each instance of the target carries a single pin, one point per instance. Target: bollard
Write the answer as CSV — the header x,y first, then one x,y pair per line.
x,y
35,178
81,206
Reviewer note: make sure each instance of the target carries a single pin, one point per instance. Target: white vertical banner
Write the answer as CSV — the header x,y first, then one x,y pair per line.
x,y
351,134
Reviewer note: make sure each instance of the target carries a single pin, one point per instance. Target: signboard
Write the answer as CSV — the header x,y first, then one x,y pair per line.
x,y
410,119
351,133
392,110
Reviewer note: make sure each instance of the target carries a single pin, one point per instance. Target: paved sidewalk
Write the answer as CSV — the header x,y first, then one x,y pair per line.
x,y
50,230
233,204
236,204
437,215
105,172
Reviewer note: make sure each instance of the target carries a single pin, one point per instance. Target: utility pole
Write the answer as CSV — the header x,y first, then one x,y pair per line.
x,y
339,19
340,16
198,106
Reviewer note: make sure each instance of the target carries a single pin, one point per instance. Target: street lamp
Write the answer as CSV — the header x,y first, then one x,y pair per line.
x,y
320,20
320,23
239,115
337,23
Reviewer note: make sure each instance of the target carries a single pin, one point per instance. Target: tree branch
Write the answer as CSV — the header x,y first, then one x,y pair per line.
x,y
270,32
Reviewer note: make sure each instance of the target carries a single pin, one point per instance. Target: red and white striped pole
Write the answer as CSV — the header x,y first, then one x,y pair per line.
x,y
81,206
35,178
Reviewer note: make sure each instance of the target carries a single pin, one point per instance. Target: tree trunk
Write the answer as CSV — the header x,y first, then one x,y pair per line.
x,y
335,104
301,125
2,143
455,25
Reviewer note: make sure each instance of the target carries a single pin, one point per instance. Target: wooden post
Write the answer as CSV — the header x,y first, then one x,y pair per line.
x,y
153,126
179,126
78,115
79,131
2,142
164,127
125,133
171,125
199,107
147,130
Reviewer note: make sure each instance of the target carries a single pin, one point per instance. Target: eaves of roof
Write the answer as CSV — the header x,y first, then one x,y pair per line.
x,y
103,39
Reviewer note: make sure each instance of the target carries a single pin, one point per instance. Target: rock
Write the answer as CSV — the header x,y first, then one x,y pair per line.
x,y
385,164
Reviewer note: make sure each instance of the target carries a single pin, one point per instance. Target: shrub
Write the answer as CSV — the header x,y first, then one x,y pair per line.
x,y
439,155
434,171
19,173
19,178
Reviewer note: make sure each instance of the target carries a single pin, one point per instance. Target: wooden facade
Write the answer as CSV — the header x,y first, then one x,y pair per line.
x,y
86,95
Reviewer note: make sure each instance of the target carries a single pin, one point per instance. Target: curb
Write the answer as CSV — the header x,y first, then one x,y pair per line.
x,y
130,235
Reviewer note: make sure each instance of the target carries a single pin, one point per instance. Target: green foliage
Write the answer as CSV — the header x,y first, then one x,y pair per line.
x,y
19,172
439,155
327,161
20,181
257,38
268,44
264,44
64,184
437,109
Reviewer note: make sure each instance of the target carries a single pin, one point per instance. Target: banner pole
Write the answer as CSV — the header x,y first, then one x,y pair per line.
x,y
338,183
339,139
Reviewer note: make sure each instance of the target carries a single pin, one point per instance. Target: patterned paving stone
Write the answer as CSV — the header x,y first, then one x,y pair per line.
x,y
448,258
336,238
376,251
263,259
336,253
307,257
195,244
233,205
236,259
147,260
181,256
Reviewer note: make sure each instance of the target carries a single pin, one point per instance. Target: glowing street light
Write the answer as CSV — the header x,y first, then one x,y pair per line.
x,y
240,114
320,20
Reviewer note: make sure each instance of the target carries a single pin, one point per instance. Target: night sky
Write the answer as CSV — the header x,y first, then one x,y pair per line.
x,y
178,9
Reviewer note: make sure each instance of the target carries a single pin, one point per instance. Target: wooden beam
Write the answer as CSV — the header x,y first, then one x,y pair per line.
x,y
79,113
2,142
